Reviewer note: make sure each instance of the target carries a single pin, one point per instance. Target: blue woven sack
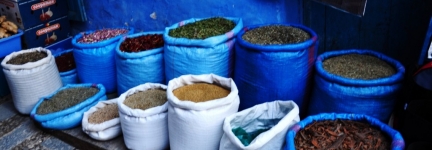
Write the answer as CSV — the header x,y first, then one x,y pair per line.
x,y
68,77
138,68
333,93
264,73
95,62
397,140
195,56
69,117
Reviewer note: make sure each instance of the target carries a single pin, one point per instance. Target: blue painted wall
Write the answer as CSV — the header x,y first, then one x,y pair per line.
x,y
136,13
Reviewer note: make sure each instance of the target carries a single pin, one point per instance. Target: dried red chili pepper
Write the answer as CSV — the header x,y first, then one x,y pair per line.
x,y
65,62
142,43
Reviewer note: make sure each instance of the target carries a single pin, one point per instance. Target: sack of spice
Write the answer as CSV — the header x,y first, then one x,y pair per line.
x,y
201,46
94,53
30,74
356,81
102,122
66,65
64,108
262,127
343,131
143,116
260,53
139,59
198,107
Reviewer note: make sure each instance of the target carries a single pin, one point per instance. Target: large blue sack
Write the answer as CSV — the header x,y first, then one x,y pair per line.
x,y
138,68
72,116
67,77
195,56
95,62
333,93
264,73
397,143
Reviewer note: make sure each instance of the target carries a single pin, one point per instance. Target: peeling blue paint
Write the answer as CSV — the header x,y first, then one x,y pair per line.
x,y
136,13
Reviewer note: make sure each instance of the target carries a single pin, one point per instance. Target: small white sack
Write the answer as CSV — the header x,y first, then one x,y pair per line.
x,y
199,125
261,116
31,81
144,129
103,131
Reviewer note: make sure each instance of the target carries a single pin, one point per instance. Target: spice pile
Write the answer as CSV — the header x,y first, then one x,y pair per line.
x,y
203,29
7,28
27,57
106,113
200,92
100,35
65,62
341,134
66,98
142,43
356,66
275,35
146,99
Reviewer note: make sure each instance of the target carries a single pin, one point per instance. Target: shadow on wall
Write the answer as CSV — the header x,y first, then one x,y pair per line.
x,y
156,14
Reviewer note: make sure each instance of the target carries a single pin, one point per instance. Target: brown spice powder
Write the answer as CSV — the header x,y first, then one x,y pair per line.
x,y
106,113
200,92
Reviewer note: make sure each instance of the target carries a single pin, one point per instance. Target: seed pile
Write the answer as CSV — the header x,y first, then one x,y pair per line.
x,y
66,98
27,57
146,99
100,35
203,29
275,35
356,66
142,43
106,113
65,62
341,135
200,92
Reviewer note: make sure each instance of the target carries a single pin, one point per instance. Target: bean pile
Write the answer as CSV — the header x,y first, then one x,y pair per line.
x,y
100,35
142,43
106,113
146,99
356,66
341,135
65,62
200,92
27,57
203,29
275,35
66,98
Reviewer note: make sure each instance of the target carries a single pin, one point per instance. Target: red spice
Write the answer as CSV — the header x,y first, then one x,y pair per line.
x,y
142,43
65,62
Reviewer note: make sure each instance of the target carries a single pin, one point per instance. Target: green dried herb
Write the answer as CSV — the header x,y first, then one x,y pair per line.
x,y
203,29
275,35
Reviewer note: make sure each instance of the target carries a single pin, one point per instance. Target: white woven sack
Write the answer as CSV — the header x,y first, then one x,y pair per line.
x,y
31,81
103,131
259,117
199,125
144,129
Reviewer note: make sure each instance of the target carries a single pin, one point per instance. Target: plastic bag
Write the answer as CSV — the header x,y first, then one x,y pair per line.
x,y
102,131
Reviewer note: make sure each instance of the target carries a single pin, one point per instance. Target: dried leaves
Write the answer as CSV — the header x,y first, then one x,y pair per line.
x,y
27,57
203,29
275,35
341,135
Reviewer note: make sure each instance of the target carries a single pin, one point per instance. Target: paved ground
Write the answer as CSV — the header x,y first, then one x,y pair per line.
x,y
20,132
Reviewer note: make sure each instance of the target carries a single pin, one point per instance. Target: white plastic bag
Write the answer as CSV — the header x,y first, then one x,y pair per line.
x,y
261,116
144,129
31,81
103,131
199,125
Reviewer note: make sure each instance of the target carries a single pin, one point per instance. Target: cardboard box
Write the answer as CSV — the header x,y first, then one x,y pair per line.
x,y
47,34
29,13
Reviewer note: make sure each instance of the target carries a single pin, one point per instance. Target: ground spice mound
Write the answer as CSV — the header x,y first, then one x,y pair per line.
x,y
66,98
146,99
200,92
105,113
356,66
275,35
341,135
27,57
